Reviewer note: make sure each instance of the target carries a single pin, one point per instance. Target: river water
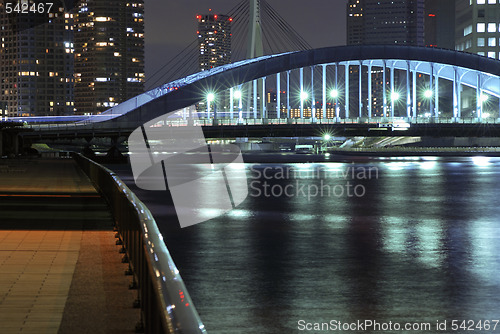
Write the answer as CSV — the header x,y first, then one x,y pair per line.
x,y
398,242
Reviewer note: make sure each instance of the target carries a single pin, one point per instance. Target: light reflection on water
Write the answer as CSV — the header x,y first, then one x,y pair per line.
x,y
422,244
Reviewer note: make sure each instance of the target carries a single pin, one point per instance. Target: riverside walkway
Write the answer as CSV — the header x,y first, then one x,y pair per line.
x,y
60,269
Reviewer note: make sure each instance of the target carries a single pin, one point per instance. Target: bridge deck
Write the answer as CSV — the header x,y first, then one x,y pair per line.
x,y
60,270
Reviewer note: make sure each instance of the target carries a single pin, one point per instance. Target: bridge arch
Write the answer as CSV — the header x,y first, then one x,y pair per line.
x,y
460,69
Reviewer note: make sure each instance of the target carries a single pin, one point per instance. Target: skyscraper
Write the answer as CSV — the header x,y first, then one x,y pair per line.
x,y
440,24
382,22
355,22
214,40
36,61
385,22
109,53
478,27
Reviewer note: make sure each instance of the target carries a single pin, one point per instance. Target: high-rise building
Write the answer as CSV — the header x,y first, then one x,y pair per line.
x,y
385,22
36,59
382,22
355,22
214,40
109,53
478,27
440,24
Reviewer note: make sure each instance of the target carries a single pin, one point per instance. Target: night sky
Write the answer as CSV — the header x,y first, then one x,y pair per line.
x,y
171,25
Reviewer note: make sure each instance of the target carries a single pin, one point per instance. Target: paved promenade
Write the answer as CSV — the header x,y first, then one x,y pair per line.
x,y
60,270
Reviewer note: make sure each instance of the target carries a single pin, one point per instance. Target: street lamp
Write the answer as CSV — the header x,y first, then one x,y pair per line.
x,y
210,99
334,93
483,98
304,96
428,94
237,95
395,96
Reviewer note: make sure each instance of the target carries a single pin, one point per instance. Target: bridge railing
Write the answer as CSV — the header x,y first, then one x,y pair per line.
x,y
177,122
165,303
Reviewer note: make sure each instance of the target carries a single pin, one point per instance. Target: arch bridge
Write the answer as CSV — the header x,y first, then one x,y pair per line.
x,y
361,88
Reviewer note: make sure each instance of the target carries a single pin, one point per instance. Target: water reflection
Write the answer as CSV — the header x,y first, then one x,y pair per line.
x,y
422,244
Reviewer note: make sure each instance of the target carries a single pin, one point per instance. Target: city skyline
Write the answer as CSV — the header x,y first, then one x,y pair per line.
x,y
109,54
348,186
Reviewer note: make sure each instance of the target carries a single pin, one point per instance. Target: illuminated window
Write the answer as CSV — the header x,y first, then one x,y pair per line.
x,y
468,30
481,27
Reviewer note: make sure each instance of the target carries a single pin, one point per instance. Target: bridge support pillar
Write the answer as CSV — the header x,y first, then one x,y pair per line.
x,y
431,99
414,94
479,101
360,89
15,143
231,102
455,96
313,99
301,71
87,151
384,89
369,106
408,90
278,96
263,99
113,152
288,95
255,99
393,104
337,108
323,91
436,93
347,65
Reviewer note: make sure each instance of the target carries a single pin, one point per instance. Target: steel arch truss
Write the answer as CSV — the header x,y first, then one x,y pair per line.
x,y
282,72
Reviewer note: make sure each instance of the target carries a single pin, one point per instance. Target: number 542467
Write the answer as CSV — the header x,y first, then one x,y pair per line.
x,y
26,8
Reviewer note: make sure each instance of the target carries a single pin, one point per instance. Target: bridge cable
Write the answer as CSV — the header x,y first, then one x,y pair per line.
x,y
240,32
290,43
185,55
287,29
174,59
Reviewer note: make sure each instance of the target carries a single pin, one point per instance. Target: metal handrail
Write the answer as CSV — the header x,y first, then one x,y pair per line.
x,y
166,306
273,121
